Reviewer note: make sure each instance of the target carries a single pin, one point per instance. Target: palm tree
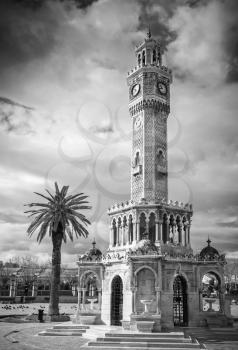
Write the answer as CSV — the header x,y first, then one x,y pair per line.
x,y
59,217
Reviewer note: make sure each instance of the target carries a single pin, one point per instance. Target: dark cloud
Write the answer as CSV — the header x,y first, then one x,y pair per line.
x,y
157,13
229,19
157,20
4,100
15,117
25,34
196,3
28,28
36,4
230,9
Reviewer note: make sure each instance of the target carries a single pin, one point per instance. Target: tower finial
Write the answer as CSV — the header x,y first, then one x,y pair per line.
x,y
208,241
149,32
94,243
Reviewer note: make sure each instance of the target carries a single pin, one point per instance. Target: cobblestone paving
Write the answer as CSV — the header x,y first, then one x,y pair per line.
x,y
24,337
25,309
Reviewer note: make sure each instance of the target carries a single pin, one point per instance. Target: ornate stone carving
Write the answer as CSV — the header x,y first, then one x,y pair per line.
x,y
156,105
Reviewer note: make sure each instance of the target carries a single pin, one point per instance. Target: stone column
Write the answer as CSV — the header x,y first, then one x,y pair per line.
x,y
134,231
111,236
222,299
118,235
200,299
123,235
34,289
147,228
99,299
12,291
160,230
84,297
128,234
79,298
157,238
173,232
157,289
188,234
137,231
133,289
167,231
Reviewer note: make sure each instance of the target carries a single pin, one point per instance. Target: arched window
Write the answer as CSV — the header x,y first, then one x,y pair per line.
x,y
116,301
139,60
137,158
154,56
119,231
171,228
211,287
145,282
114,230
184,229
180,301
159,57
165,228
179,230
152,227
143,58
142,226
130,229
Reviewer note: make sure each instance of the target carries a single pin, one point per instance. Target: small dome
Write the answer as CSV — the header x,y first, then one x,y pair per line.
x,y
209,252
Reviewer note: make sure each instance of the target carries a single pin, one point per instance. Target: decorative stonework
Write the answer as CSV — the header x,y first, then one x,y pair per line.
x,y
149,254
156,105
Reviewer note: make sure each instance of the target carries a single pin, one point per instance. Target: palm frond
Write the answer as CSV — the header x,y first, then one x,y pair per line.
x,y
49,193
43,231
38,221
60,214
34,212
79,229
76,207
42,195
57,191
81,217
44,205
77,197
64,191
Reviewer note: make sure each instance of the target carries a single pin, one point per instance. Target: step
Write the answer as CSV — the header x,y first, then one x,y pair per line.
x,y
119,347
140,345
128,338
71,326
53,333
66,330
151,335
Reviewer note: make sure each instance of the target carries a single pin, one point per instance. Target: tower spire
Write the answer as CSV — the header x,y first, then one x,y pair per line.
x,y
208,241
149,32
94,243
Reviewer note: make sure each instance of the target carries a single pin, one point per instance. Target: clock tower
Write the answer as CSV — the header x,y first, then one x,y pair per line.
x,y
149,213
149,105
149,278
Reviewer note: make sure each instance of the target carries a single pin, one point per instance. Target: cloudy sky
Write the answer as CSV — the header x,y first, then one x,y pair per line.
x,y
64,117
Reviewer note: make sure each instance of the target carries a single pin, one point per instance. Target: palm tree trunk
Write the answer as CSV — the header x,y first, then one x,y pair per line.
x,y
55,273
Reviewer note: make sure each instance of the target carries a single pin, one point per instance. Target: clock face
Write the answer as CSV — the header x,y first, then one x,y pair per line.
x,y
162,88
138,122
135,90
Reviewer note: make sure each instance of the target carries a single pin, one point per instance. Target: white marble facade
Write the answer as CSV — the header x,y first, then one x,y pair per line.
x,y
149,256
